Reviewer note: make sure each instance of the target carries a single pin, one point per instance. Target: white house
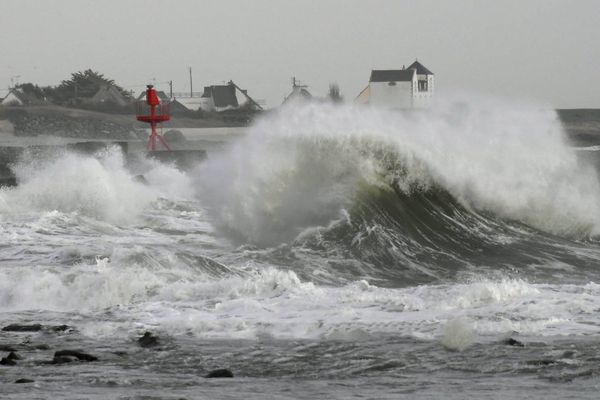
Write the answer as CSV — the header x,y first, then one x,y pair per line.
x,y
299,93
410,87
191,103
108,94
13,98
17,97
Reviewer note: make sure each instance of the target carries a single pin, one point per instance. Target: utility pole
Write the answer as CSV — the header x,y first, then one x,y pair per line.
x,y
171,89
191,91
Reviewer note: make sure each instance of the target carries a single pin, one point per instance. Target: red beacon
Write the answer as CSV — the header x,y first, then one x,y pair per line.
x,y
153,111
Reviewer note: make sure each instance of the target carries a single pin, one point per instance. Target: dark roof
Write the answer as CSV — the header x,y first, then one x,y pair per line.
x,y
421,70
176,106
223,95
391,75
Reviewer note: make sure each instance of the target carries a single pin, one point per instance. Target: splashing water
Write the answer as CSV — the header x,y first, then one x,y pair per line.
x,y
305,165
99,187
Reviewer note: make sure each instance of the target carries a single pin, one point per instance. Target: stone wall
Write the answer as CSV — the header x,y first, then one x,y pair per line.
x,y
30,124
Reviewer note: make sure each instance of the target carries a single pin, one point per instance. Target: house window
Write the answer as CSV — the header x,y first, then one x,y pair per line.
x,y
422,86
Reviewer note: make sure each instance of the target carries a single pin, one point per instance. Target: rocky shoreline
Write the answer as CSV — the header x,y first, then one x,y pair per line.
x,y
25,350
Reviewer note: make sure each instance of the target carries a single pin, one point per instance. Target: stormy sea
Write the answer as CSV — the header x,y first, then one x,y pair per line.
x,y
332,252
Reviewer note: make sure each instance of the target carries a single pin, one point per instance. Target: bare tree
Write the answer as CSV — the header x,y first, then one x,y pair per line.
x,y
334,93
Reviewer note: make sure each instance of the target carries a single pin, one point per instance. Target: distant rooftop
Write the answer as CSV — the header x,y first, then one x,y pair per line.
x,y
421,69
392,75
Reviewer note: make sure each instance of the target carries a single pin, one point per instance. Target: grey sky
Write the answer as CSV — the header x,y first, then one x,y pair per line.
x,y
545,50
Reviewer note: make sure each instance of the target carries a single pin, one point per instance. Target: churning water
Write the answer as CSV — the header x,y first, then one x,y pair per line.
x,y
332,252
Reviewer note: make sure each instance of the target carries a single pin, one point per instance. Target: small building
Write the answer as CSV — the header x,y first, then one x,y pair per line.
x,y
108,95
299,93
219,98
190,103
17,97
176,106
410,87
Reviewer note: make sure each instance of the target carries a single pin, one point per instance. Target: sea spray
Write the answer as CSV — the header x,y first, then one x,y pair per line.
x,y
97,186
303,166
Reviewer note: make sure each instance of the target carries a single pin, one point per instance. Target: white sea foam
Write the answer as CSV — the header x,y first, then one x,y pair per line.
x,y
96,186
457,334
159,290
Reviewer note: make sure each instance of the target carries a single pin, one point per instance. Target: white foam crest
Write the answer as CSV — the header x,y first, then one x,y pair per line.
x,y
168,180
300,167
132,277
254,284
276,303
129,277
481,293
95,186
171,295
358,311
82,288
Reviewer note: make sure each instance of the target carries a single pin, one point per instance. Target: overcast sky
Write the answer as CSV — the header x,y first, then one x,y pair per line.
x,y
544,50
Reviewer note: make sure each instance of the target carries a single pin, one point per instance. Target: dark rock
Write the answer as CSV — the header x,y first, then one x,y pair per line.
x,y
22,328
41,347
141,179
148,340
61,328
7,361
75,353
5,347
24,380
513,342
14,356
541,363
220,373
174,136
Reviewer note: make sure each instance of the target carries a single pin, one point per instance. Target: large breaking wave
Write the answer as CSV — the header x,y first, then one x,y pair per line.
x,y
465,183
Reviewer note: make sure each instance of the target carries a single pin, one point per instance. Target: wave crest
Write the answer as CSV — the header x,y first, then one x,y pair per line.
x,y
302,166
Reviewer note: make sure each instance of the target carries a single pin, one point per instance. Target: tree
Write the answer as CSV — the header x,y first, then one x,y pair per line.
x,y
334,93
83,84
32,90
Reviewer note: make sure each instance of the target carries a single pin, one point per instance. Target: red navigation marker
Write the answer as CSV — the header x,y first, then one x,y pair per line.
x,y
153,111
